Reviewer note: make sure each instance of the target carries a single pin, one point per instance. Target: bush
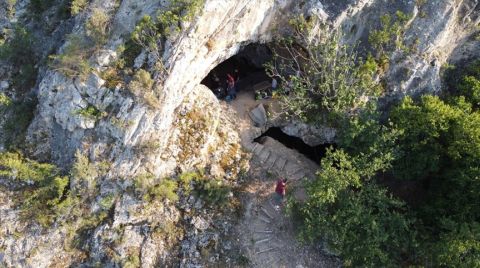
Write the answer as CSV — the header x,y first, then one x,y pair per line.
x,y
78,6
19,51
368,228
19,115
39,6
73,61
165,190
149,32
84,175
97,27
90,112
142,86
42,186
390,37
326,80
212,191
142,81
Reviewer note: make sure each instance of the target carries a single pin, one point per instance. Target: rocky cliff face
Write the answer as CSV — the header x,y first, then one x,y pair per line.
x,y
187,129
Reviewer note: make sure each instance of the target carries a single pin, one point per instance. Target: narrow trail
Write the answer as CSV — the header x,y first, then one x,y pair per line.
x,y
266,233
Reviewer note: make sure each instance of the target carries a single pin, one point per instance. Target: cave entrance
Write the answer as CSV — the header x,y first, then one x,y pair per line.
x,y
250,72
315,153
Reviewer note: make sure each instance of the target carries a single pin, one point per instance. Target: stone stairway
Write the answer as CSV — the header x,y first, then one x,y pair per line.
x,y
265,246
282,165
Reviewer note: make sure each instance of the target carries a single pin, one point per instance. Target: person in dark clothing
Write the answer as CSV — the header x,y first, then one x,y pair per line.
x,y
236,75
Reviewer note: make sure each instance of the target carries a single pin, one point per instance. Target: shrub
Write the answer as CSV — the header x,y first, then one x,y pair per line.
x,y
143,182
212,191
78,6
368,217
327,79
130,52
142,81
97,27
186,180
147,35
142,86
112,78
84,175
73,61
19,51
165,190
19,115
149,32
390,36
5,101
90,112
42,186
39,6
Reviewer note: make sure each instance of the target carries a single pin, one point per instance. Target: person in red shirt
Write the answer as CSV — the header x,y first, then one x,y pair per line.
x,y
231,90
280,190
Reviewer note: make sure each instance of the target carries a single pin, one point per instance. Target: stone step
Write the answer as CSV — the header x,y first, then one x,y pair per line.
x,y
280,163
263,219
264,155
291,168
264,232
266,212
258,148
300,174
263,240
266,250
271,160
272,205
250,146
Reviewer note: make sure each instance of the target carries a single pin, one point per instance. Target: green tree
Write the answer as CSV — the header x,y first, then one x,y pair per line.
x,y
320,75
19,51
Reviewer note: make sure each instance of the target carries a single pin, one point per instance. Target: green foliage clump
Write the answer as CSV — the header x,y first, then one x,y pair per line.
x,y
150,32
97,27
212,191
322,77
90,112
390,36
142,81
19,115
366,226
165,190
19,51
78,6
84,175
73,61
186,179
142,86
42,186
465,81
39,6
5,101
430,141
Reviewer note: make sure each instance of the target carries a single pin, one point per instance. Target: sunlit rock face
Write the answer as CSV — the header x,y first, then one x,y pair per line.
x,y
188,128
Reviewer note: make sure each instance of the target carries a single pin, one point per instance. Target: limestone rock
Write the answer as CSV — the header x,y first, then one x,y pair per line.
x,y
259,116
4,85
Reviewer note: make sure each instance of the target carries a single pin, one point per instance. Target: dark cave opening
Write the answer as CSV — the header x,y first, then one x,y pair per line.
x,y
315,153
249,63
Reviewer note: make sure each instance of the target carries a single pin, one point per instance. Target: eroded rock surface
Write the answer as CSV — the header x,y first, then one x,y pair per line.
x,y
189,128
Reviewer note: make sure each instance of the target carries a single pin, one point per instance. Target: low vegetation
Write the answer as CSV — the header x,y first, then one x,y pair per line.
x,y
73,61
18,51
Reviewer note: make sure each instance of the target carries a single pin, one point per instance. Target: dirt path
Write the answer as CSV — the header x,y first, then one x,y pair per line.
x,y
267,234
